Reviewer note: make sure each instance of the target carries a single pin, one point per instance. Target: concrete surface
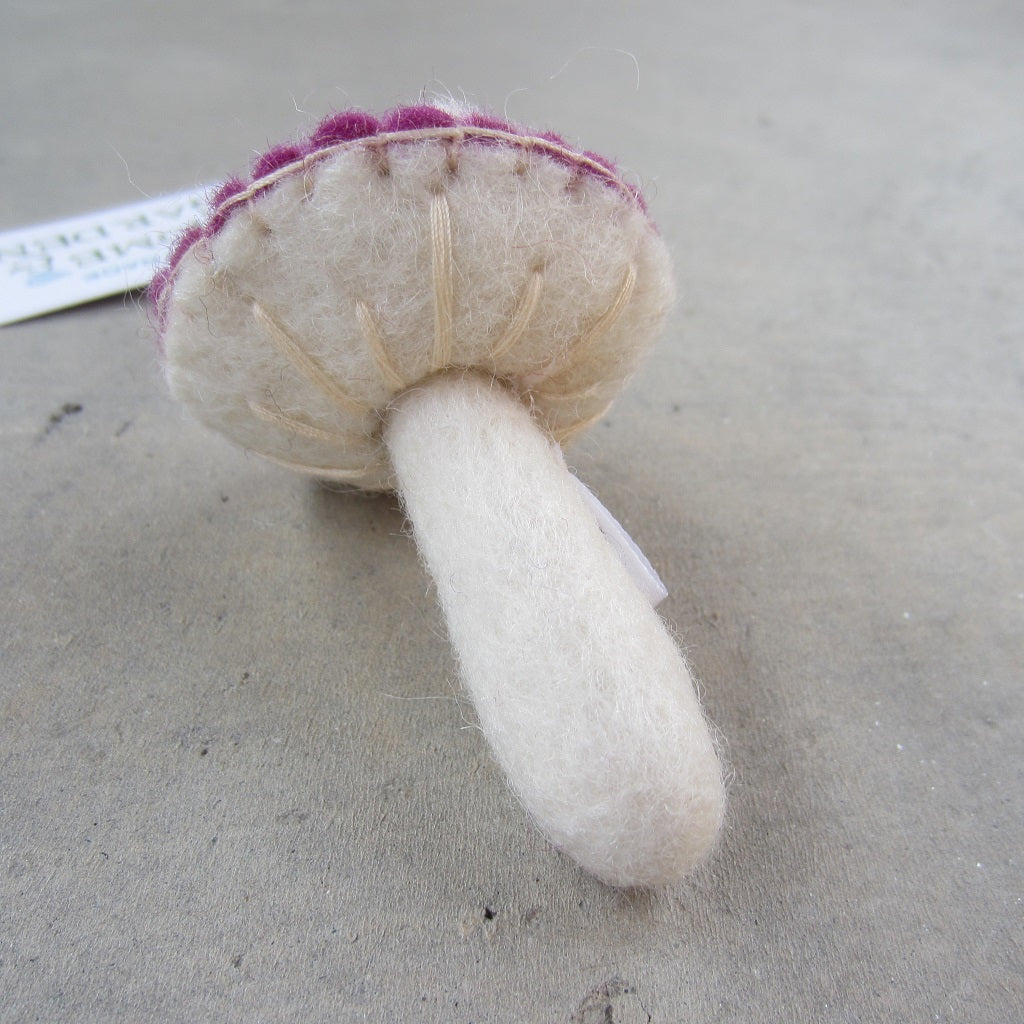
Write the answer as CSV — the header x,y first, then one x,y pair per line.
x,y
238,782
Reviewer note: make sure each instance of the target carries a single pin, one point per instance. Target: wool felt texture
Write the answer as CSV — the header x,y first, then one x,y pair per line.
x,y
318,293
582,694
429,301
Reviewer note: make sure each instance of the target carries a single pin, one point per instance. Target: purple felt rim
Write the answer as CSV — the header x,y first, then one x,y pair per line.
x,y
348,128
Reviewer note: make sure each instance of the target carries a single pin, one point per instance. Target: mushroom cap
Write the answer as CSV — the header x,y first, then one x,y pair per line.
x,y
380,252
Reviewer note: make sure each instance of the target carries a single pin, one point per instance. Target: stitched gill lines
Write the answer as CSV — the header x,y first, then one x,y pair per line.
x,y
444,279
563,381
287,345
357,476
378,346
606,321
522,316
578,351
303,429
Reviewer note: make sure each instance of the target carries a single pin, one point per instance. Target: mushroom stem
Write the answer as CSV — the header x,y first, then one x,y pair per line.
x,y
583,695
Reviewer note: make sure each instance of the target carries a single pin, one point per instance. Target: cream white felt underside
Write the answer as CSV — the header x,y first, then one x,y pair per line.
x,y
583,695
320,300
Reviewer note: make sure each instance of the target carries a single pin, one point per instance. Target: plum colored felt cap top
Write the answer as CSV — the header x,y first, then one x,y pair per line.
x,y
344,127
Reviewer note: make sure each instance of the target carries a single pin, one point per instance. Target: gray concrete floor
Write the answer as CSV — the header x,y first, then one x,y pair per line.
x,y
238,781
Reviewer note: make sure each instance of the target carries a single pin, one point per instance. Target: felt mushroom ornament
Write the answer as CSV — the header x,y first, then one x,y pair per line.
x,y
434,302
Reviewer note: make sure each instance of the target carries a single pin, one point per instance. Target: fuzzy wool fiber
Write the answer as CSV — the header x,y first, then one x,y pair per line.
x,y
580,690
434,306
320,300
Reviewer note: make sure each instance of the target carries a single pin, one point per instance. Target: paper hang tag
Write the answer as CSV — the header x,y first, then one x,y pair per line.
x,y
52,266
635,561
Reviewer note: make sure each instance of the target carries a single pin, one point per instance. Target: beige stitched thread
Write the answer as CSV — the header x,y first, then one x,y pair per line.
x,y
378,346
305,363
295,426
330,472
444,279
521,318
599,328
456,135
379,144
308,184
607,319
565,434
